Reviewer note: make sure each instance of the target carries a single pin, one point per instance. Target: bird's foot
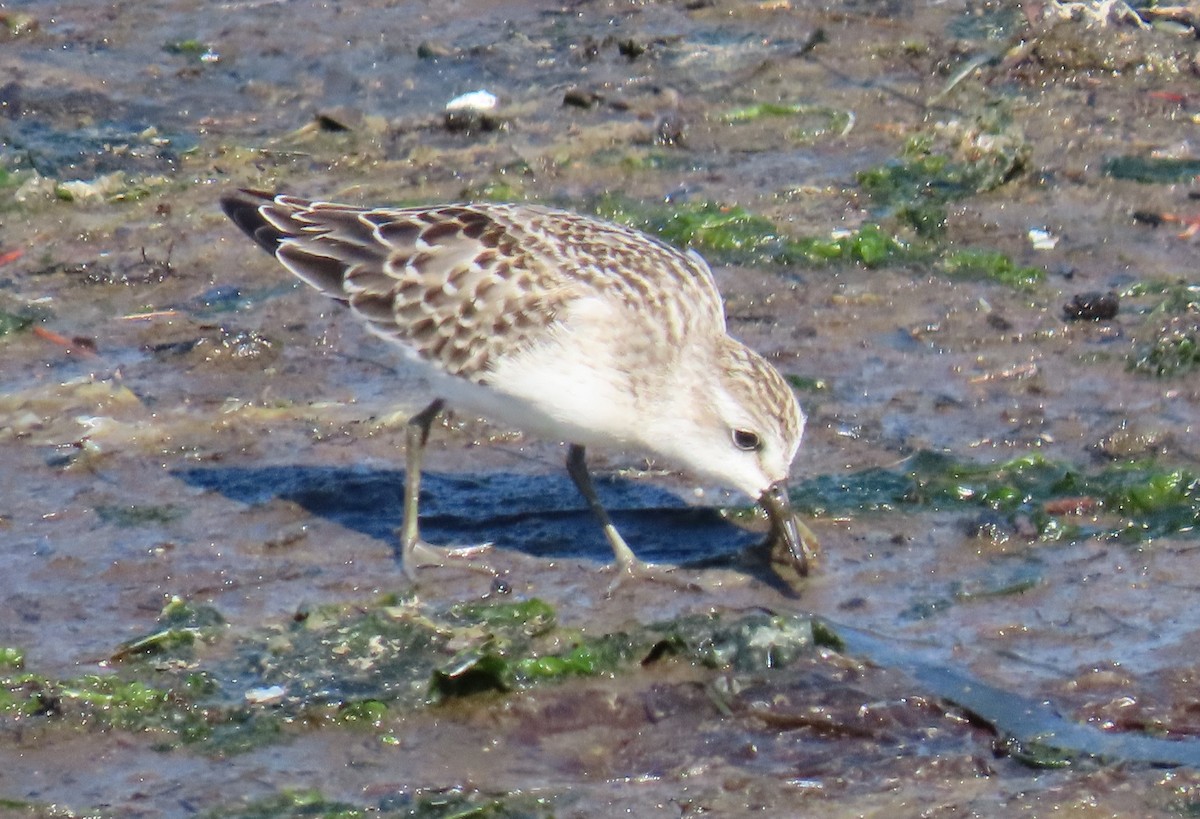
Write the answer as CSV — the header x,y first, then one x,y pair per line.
x,y
420,555
637,570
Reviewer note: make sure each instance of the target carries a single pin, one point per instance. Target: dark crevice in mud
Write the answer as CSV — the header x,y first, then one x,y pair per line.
x,y
1032,731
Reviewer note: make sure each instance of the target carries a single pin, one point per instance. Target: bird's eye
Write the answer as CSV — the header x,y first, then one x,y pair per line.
x,y
746,440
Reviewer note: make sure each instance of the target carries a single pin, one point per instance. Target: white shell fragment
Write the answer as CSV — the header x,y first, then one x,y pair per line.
x,y
474,101
266,695
1042,239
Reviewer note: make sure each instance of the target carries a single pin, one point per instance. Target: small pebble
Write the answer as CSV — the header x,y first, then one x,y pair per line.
x,y
579,98
432,50
669,130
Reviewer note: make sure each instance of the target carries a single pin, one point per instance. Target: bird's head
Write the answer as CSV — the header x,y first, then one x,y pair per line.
x,y
739,423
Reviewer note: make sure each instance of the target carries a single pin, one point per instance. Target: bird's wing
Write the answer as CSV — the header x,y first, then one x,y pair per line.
x,y
460,285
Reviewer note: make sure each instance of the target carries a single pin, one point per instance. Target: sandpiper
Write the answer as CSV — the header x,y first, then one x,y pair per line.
x,y
559,324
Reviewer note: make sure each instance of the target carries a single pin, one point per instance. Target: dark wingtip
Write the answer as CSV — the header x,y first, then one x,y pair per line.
x,y
243,207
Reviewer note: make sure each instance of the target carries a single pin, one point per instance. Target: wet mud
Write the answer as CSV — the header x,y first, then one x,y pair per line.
x,y
964,232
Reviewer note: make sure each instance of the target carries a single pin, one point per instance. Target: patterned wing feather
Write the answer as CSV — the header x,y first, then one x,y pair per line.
x,y
447,283
652,277
461,285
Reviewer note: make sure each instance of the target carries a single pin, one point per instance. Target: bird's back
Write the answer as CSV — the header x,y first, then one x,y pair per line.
x,y
462,286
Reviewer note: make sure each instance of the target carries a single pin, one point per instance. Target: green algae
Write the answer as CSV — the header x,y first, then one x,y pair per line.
x,y
991,265
637,159
195,52
500,664
931,179
870,245
1152,170
291,804
166,701
507,184
450,804
749,113
1003,580
587,659
1134,501
806,384
129,516
112,188
100,702
494,190
15,321
1175,297
947,162
754,643
11,658
731,233
356,667
808,122
1037,754
181,626
528,617
1173,351
188,47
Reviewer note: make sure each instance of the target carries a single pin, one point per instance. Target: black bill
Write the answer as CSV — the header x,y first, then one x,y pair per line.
x,y
786,530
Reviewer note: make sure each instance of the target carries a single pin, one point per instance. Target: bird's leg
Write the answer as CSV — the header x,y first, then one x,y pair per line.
x,y
626,562
577,468
415,551
416,436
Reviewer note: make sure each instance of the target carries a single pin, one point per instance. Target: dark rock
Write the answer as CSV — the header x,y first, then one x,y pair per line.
x,y
669,130
1092,306
631,49
580,98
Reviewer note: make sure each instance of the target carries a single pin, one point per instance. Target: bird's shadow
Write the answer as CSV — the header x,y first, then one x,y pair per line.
x,y
539,515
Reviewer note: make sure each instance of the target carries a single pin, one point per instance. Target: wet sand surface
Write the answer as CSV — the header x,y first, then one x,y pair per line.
x,y
1005,491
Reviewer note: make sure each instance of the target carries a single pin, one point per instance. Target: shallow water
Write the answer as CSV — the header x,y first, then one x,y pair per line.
x,y
202,428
